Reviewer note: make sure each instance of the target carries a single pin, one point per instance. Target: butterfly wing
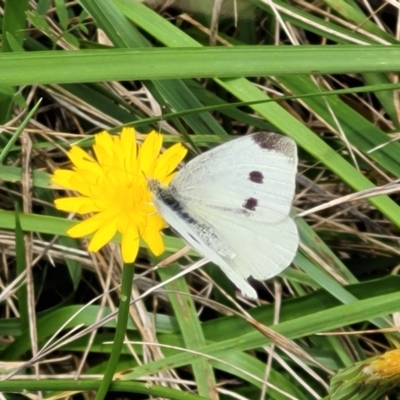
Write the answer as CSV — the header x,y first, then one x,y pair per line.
x,y
262,250
203,239
253,175
232,205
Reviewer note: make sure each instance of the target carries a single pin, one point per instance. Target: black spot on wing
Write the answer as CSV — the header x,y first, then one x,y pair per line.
x,y
250,204
256,176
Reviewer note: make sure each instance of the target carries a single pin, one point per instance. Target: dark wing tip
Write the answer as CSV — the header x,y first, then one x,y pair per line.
x,y
275,142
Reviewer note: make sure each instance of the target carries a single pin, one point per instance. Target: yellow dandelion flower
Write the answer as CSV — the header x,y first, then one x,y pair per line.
x,y
385,366
368,379
113,187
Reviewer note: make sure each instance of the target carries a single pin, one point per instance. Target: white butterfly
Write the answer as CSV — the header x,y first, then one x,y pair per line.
x,y
232,204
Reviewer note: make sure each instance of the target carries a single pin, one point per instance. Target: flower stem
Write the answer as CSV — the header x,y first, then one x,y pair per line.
x,y
122,321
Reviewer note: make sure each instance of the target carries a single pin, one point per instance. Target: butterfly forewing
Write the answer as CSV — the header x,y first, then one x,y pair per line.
x,y
254,175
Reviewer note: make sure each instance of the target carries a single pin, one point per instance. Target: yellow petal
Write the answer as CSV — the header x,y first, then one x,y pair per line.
x,y
63,178
130,244
155,241
152,235
84,228
128,141
102,236
79,205
103,148
149,152
168,161
156,222
85,183
81,159
166,181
